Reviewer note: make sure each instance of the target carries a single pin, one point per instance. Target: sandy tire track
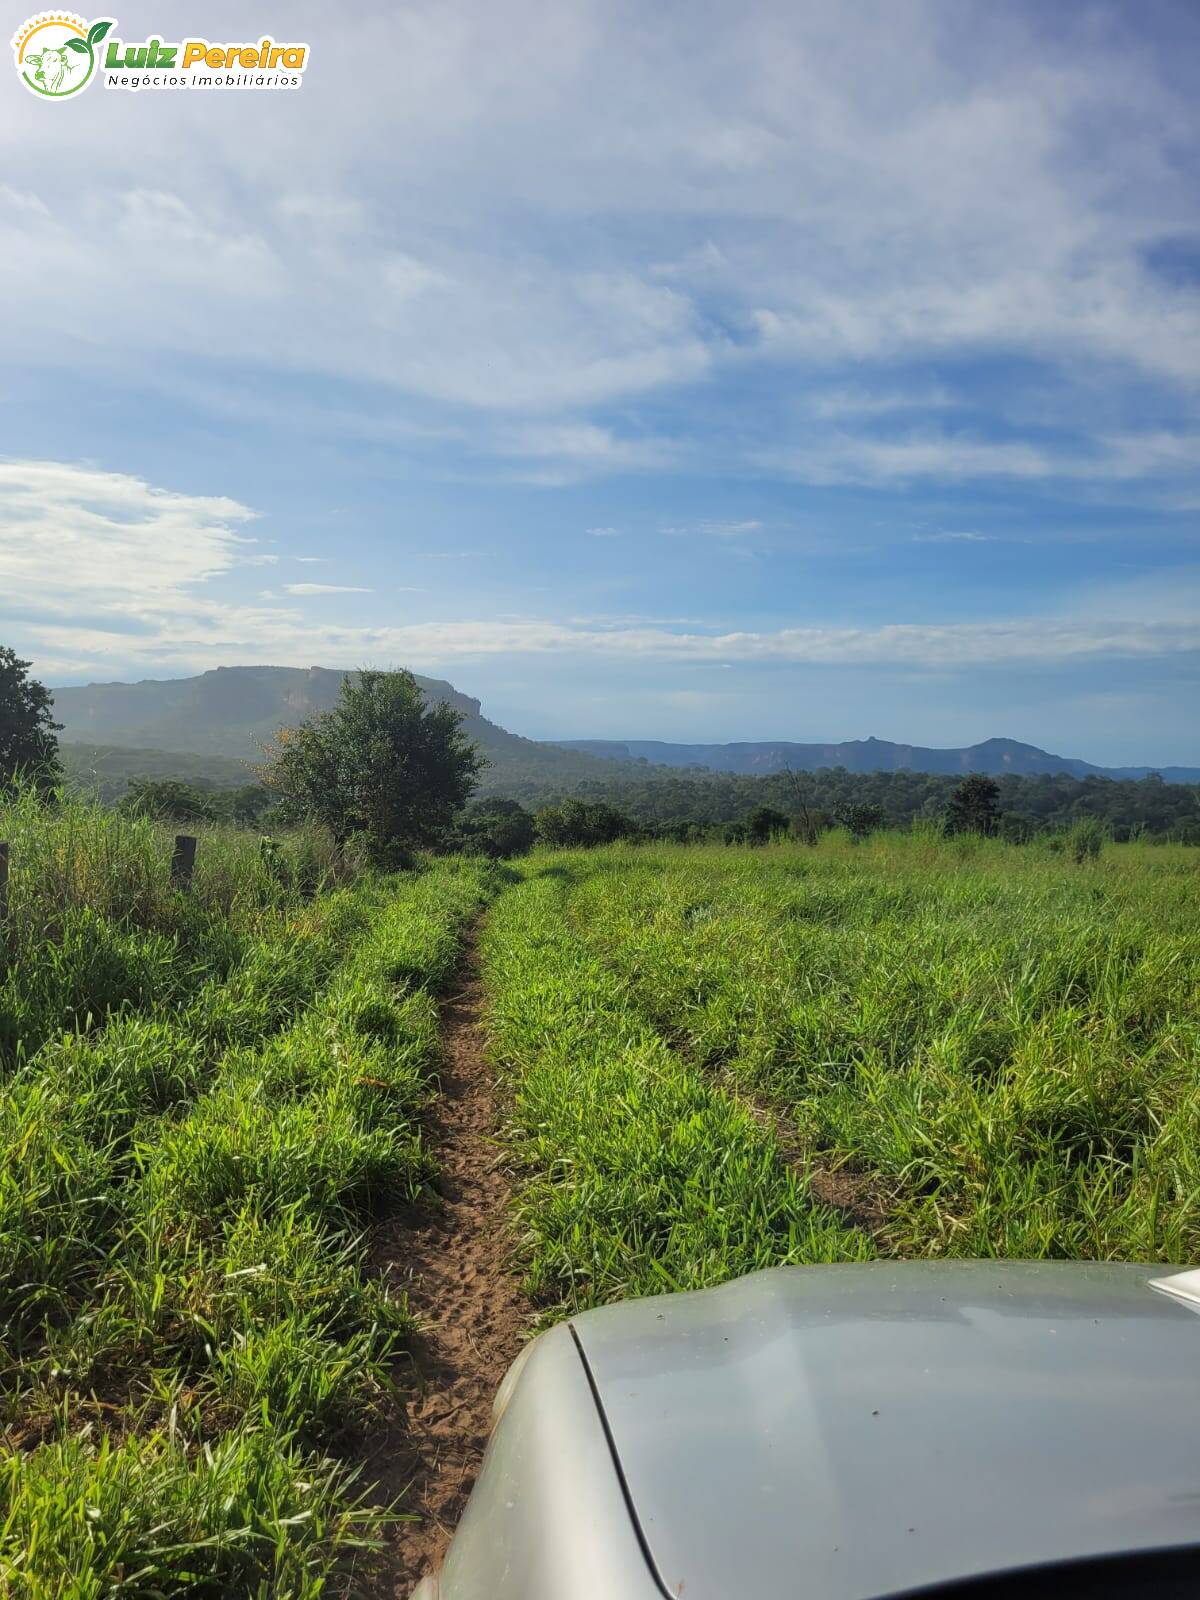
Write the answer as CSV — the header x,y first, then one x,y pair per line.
x,y
452,1253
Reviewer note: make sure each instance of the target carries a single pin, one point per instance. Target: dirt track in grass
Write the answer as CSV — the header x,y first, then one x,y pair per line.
x,y
843,1191
451,1252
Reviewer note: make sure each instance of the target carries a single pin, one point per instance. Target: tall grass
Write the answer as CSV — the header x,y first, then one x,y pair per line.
x,y
192,1341
95,928
1004,1040
640,1174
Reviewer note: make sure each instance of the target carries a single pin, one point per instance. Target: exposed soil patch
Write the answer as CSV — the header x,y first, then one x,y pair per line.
x,y
451,1252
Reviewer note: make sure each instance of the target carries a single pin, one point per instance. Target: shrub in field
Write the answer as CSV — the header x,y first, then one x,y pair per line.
x,y
766,824
498,829
168,800
577,823
1085,840
860,821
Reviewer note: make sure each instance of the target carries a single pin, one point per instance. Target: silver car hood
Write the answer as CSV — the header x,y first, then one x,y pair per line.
x,y
847,1432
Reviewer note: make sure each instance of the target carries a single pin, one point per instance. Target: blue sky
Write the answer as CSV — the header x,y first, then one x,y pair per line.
x,y
695,372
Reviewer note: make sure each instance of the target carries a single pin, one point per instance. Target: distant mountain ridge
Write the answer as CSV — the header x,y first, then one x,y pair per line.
x,y
232,712
993,756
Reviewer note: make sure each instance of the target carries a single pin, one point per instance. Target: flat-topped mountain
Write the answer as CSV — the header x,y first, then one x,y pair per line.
x,y
234,711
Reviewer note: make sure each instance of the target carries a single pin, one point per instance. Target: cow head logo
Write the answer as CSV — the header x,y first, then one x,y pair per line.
x,y
55,53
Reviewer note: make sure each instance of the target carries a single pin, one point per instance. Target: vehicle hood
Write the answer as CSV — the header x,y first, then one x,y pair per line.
x,y
853,1431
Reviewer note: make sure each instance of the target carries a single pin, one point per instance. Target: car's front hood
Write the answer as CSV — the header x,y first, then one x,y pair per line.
x,y
843,1432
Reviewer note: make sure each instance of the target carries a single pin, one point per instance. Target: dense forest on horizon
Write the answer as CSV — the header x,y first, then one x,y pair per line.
x,y
1046,802
662,799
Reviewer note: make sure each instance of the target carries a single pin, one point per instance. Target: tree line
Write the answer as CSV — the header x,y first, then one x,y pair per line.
x,y
393,775
1046,803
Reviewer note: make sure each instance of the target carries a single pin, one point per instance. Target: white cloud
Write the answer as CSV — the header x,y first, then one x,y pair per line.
x,y
954,536
325,588
956,458
741,202
74,538
835,405
715,530
101,566
576,450
604,533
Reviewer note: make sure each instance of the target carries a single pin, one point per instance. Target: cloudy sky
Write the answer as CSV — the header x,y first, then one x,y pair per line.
x,y
699,371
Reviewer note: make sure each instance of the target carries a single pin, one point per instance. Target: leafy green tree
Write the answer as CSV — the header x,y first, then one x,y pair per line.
x,y
575,824
974,807
499,829
168,799
860,819
247,806
766,823
381,767
28,732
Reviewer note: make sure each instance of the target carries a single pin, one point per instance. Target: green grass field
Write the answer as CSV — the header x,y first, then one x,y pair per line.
x,y
1001,1045
713,1060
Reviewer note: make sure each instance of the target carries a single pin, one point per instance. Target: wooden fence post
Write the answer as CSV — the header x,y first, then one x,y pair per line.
x,y
183,861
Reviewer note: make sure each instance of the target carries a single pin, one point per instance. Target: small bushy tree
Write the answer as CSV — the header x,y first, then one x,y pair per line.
x,y
168,800
974,806
28,731
498,829
577,823
860,820
1085,840
381,767
174,800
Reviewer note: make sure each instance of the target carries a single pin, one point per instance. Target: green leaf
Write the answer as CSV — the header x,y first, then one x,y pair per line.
x,y
97,31
77,44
